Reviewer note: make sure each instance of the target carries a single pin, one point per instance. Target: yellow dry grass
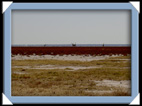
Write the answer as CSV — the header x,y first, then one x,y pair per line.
x,y
60,82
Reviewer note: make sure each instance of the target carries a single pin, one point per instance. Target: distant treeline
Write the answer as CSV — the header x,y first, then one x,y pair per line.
x,y
70,45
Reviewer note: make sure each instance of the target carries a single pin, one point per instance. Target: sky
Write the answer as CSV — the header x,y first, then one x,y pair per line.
x,y
71,26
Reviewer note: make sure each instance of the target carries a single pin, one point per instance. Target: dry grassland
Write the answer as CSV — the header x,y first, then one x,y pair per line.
x,y
109,77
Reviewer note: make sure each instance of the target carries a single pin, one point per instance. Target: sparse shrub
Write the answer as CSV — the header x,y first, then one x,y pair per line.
x,y
23,70
92,84
68,68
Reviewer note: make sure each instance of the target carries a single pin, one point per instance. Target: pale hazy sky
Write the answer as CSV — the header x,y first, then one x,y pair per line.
x,y
71,26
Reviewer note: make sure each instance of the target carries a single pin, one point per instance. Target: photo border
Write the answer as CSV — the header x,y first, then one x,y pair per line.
x,y
72,99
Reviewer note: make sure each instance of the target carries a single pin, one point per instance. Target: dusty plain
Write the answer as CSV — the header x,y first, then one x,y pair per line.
x,y
71,75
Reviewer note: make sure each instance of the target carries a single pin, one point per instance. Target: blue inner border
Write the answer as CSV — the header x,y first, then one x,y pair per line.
x,y
71,99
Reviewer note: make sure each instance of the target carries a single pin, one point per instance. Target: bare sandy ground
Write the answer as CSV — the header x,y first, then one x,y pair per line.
x,y
68,68
125,85
64,57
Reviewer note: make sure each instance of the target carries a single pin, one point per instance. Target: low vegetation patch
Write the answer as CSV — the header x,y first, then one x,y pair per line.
x,y
60,82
